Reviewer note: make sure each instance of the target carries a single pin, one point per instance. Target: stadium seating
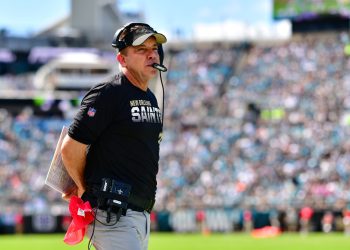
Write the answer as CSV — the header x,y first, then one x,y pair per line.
x,y
264,126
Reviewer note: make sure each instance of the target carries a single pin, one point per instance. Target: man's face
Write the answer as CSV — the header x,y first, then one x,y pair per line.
x,y
138,60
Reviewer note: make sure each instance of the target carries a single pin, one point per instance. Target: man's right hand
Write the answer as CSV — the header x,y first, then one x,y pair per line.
x,y
75,191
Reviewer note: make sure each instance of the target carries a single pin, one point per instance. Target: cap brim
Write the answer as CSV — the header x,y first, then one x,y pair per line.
x,y
160,38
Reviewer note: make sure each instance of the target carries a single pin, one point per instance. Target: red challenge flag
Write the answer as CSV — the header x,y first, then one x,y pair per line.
x,y
82,215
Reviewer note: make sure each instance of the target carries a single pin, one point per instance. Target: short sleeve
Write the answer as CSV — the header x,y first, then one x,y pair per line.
x,y
95,114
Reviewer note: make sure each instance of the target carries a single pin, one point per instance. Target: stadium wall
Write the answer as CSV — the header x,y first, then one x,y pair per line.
x,y
183,221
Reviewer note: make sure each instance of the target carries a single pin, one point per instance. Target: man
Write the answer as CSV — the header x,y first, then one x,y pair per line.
x,y
112,147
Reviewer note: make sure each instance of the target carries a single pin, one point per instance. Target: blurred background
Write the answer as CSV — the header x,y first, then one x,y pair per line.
x,y
257,109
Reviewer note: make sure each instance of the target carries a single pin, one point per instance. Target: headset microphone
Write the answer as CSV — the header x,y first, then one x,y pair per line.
x,y
159,67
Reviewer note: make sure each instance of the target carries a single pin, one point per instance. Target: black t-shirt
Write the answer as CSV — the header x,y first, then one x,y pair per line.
x,y
122,125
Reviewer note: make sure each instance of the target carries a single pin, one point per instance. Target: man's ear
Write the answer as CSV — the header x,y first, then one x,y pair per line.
x,y
121,59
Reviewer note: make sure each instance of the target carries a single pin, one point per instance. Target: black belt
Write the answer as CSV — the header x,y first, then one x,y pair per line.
x,y
135,202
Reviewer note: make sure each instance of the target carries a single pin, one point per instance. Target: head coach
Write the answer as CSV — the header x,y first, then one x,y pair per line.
x,y
112,147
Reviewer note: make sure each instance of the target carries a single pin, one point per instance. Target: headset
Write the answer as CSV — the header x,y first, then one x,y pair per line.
x,y
123,43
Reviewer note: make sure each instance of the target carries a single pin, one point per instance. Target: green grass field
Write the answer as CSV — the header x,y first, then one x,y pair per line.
x,y
164,241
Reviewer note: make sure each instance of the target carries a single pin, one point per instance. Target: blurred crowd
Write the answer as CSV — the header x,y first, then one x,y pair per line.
x,y
268,127
261,126
27,144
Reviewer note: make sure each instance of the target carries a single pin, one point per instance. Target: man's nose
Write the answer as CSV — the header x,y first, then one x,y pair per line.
x,y
152,53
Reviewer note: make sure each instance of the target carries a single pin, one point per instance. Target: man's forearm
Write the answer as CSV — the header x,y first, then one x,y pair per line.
x,y
74,159
75,169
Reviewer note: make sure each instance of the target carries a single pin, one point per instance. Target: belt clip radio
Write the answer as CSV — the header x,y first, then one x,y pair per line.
x,y
115,196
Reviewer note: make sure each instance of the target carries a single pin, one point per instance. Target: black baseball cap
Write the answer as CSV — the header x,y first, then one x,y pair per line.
x,y
135,34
